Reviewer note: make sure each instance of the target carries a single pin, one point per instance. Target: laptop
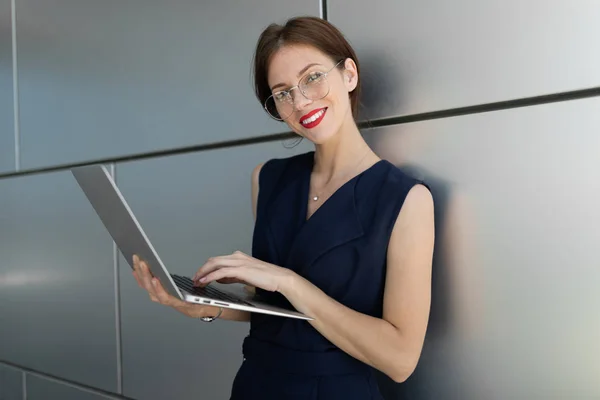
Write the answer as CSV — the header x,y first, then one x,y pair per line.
x,y
116,215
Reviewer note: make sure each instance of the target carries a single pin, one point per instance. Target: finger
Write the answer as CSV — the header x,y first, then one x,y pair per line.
x,y
137,279
140,279
162,295
144,272
210,265
136,262
215,263
221,273
146,278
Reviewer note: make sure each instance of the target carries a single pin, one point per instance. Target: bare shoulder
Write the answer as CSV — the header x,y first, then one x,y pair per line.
x,y
415,222
419,199
255,187
256,173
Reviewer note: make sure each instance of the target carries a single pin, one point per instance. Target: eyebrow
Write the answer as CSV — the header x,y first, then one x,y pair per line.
x,y
303,70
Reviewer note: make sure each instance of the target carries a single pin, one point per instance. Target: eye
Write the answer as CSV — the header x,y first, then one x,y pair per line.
x,y
281,96
313,76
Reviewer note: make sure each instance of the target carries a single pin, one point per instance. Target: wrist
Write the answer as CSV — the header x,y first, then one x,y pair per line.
x,y
289,284
204,311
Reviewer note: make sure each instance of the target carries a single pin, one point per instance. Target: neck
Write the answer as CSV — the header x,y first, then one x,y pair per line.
x,y
342,153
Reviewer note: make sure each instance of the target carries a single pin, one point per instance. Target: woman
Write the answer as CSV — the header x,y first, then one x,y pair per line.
x,y
340,234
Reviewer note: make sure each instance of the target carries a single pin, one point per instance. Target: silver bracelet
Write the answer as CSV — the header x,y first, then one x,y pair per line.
x,y
211,319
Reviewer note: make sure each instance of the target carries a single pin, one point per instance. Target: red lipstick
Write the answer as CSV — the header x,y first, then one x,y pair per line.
x,y
313,118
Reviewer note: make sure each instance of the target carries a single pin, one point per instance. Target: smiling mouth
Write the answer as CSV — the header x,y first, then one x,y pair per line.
x,y
313,118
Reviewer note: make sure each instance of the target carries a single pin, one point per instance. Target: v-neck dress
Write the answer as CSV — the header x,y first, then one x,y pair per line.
x,y
342,249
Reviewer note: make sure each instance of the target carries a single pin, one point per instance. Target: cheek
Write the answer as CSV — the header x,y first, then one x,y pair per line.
x,y
338,95
337,103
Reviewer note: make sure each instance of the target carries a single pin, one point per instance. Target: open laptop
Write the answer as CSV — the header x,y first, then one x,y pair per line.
x,y
116,215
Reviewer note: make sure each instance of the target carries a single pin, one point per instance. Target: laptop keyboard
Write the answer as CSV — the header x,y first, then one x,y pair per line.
x,y
186,283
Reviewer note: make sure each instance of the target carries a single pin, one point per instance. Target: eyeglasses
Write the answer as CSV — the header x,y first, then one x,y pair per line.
x,y
313,85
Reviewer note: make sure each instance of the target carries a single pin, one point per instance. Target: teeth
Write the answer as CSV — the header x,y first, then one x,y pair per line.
x,y
313,118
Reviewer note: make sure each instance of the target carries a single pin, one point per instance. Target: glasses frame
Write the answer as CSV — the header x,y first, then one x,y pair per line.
x,y
325,74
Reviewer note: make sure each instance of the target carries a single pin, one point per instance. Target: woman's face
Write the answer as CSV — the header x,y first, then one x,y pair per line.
x,y
317,119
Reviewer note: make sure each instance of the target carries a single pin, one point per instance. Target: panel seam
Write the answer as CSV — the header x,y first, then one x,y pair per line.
x,y
24,385
16,116
363,124
75,385
323,12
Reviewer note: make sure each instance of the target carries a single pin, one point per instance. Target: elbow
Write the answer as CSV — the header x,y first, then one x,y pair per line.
x,y
400,376
403,369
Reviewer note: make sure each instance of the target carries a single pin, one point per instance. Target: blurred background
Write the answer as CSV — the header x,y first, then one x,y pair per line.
x,y
495,103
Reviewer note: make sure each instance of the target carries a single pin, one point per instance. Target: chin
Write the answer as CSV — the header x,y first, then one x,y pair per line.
x,y
319,135
321,139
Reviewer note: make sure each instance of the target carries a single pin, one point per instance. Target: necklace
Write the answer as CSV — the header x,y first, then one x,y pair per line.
x,y
317,196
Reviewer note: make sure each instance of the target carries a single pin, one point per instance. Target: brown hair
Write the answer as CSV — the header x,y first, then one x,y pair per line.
x,y
306,31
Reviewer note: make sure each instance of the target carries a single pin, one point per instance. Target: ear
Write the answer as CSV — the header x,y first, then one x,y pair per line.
x,y
350,74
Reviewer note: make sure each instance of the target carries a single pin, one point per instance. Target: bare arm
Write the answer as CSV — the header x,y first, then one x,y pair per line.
x,y
391,344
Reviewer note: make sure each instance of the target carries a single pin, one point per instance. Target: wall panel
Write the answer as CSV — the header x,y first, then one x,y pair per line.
x,y
109,78
11,383
44,389
516,273
7,134
192,207
427,55
515,299
57,302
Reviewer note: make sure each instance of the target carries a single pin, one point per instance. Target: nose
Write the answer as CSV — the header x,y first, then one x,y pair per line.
x,y
300,101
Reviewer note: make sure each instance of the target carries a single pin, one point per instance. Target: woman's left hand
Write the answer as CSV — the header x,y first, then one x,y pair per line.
x,y
240,267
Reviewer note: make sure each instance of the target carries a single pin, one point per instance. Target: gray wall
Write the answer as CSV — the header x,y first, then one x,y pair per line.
x,y
7,138
486,100
138,76
11,383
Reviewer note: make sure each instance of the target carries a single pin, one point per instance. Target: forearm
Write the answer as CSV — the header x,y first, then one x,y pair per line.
x,y
373,341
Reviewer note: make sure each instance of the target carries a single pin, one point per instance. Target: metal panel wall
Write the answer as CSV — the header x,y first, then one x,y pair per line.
x,y
516,300
44,389
515,282
192,207
112,78
57,280
425,55
11,383
7,134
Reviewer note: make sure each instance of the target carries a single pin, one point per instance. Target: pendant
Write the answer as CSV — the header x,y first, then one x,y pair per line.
x,y
316,198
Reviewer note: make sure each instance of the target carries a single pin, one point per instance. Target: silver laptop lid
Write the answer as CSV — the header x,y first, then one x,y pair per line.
x,y
120,222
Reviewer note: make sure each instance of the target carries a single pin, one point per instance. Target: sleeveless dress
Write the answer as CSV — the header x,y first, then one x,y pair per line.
x,y
342,249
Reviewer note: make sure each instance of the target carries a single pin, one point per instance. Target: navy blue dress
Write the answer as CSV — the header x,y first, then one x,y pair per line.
x,y
342,249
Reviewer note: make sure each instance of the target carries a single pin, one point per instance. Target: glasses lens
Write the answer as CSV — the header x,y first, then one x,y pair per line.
x,y
279,107
315,86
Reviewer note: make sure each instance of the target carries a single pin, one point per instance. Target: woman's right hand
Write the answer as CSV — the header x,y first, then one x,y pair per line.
x,y
158,294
